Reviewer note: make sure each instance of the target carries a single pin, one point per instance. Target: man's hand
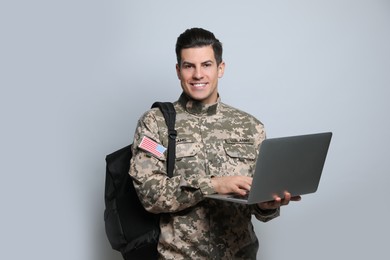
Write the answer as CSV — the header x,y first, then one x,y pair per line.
x,y
277,202
232,184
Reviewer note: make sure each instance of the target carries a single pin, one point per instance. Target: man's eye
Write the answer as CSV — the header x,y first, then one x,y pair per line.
x,y
206,65
187,66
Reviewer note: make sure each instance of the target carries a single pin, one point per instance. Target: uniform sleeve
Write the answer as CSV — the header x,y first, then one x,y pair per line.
x,y
157,192
265,215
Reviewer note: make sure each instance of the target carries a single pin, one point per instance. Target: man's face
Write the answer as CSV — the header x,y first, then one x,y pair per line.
x,y
198,74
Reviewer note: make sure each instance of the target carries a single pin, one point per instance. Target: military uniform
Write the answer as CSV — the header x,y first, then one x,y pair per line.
x,y
212,140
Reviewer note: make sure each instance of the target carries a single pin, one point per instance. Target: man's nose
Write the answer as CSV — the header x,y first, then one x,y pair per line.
x,y
198,73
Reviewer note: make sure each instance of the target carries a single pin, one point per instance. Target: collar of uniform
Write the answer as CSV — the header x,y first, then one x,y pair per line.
x,y
197,108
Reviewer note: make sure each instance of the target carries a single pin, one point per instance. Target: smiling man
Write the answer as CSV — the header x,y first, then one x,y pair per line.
x,y
198,72
216,149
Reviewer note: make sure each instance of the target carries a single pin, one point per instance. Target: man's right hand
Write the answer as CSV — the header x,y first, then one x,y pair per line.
x,y
240,185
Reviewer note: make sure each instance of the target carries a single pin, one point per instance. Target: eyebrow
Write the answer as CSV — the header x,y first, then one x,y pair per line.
x,y
190,63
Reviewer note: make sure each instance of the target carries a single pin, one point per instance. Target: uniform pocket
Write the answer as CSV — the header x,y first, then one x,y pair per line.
x,y
186,148
186,156
240,156
240,148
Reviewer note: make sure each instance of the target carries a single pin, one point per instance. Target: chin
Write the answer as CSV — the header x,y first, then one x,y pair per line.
x,y
198,98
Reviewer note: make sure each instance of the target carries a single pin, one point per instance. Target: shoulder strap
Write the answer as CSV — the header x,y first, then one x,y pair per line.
x,y
169,113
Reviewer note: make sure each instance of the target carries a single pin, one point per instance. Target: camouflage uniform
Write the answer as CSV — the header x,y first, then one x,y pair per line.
x,y
214,140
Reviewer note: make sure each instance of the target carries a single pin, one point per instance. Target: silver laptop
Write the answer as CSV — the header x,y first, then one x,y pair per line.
x,y
292,164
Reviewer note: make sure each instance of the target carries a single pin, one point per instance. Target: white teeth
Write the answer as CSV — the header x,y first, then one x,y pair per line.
x,y
199,85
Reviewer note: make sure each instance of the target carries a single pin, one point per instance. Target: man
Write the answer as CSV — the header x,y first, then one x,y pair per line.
x,y
216,149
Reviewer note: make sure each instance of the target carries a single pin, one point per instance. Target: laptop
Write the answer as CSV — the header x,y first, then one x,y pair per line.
x,y
292,164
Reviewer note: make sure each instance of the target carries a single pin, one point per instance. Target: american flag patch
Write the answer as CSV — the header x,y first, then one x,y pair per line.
x,y
151,146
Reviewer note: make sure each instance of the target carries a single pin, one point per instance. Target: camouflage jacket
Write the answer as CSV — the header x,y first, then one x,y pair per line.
x,y
213,140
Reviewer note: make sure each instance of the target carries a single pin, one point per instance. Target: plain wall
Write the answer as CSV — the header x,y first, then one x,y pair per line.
x,y
76,76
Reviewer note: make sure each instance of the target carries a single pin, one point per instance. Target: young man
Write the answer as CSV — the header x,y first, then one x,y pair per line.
x,y
216,149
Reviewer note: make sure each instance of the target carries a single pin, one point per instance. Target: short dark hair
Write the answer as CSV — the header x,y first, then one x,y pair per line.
x,y
198,37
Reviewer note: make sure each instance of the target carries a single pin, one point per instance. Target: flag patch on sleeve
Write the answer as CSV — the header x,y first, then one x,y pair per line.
x,y
151,146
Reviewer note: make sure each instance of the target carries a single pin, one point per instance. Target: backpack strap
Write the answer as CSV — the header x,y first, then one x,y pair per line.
x,y
169,113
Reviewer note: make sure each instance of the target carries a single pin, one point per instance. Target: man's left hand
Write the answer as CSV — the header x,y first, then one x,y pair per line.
x,y
278,201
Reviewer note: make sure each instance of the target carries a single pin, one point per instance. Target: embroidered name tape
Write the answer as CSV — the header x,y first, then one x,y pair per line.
x,y
151,146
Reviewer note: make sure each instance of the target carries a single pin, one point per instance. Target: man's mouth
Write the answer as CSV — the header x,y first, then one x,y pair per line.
x,y
199,85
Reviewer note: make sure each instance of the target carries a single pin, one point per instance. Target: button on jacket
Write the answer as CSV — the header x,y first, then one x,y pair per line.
x,y
212,140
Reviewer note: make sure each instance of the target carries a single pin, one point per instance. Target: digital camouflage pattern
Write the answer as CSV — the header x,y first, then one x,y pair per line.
x,y
214,140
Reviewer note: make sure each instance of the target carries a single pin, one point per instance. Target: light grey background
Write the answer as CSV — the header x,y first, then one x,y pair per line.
x,y
76,75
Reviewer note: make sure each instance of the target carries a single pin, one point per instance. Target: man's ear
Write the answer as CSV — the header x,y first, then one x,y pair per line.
x,y
221,69
178,71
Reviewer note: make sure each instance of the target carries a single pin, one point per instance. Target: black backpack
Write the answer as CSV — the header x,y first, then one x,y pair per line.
x,y
129,227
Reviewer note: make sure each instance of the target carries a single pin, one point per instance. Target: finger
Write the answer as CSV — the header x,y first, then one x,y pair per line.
x,y
296,198
277,202
244,182
247,180
276,198
287,197
240,191
245,186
